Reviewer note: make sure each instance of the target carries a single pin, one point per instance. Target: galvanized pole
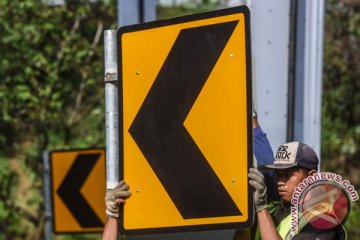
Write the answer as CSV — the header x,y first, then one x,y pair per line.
x,y
309,67
111,109
47,197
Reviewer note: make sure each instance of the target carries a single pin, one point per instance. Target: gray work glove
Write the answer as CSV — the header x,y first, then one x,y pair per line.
x,y
256,180
116,196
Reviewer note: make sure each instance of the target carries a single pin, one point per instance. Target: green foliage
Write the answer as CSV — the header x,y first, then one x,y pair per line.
x,y
51,64
51,94
90,236
51,72
352,223
341,95
341,98
8,219
186,8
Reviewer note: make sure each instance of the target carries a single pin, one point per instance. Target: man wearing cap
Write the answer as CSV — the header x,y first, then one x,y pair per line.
x,y
293,162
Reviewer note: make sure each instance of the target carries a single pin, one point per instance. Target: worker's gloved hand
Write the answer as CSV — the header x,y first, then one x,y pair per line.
x,y
256,180
116,196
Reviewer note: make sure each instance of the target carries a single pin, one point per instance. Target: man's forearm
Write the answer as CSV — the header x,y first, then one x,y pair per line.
x,y
266,226
110,229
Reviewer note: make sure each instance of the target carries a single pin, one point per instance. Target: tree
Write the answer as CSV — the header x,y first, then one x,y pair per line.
x,y
341,95
51,96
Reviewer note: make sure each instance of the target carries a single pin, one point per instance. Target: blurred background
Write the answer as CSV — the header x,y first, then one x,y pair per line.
x,y
52,95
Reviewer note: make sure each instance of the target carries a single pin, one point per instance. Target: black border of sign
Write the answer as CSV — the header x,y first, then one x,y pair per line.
x,y
50,153
172,21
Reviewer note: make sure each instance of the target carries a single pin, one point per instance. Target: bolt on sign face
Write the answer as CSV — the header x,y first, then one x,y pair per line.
x,y
185,122
78,190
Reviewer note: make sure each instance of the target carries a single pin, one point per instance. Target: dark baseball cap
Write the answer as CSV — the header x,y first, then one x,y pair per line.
x,y
295,154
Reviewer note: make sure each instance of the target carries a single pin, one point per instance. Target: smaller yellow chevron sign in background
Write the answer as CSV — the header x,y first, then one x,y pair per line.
x,y
78,190
186,122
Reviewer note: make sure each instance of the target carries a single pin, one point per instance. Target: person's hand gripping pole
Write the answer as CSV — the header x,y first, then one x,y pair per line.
x,y
115,197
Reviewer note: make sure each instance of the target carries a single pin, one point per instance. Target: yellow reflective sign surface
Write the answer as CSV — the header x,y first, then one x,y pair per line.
x,y
218,122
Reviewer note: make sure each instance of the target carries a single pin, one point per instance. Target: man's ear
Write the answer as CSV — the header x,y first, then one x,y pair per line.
x,y
312,172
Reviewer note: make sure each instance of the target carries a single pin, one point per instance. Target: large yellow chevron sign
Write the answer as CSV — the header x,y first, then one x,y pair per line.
x,y
185,121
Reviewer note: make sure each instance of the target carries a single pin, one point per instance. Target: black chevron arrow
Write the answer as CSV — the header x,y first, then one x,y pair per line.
x,y
160,134
69,191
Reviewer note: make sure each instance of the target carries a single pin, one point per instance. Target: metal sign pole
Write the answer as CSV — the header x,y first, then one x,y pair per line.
x,y
47,197
111,109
